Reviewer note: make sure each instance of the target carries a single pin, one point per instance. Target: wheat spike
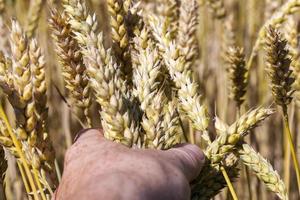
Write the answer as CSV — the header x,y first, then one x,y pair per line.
x,y
263,170
227,140
276,20
278,67
73,68
171,126
81,22
33,16
119,34
105,80
237,74
171,8
190,100
187,36
217,8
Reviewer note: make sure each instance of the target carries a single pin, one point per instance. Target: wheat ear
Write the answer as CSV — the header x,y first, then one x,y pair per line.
x,y
237,74
281,80
73,68
277,19
263,170
33,16
217,8
105,80
190,100
187,32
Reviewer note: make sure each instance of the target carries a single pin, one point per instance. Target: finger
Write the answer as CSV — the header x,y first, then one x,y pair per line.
x,y
189,158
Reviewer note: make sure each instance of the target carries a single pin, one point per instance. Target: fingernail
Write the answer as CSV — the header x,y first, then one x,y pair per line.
x,y
80,133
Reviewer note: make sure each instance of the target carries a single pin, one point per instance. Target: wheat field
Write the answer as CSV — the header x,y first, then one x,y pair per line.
x,y
224,75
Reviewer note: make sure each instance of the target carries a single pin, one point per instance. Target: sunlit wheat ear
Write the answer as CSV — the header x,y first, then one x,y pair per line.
x,y
278,67
34,15
227,140
218,9
187,32
171,124
263,170
117,119
189,98
120,37
237,74
171,9
81,21
39,95
73,68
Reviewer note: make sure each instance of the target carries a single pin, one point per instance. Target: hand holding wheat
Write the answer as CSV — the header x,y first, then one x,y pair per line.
x,y
102,166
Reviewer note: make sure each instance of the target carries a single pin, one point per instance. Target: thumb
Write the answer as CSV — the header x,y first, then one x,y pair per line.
x,y
188,158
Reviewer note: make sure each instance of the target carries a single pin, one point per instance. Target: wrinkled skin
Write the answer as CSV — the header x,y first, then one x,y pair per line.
x,y
96,168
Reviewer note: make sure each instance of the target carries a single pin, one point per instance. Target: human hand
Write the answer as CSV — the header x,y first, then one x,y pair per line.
x,y
96,168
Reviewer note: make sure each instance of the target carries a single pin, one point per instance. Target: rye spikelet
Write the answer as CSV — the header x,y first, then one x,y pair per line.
x,y
187,87
237,74
217,8
278,67
263,170
73,68
187,36
33,16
